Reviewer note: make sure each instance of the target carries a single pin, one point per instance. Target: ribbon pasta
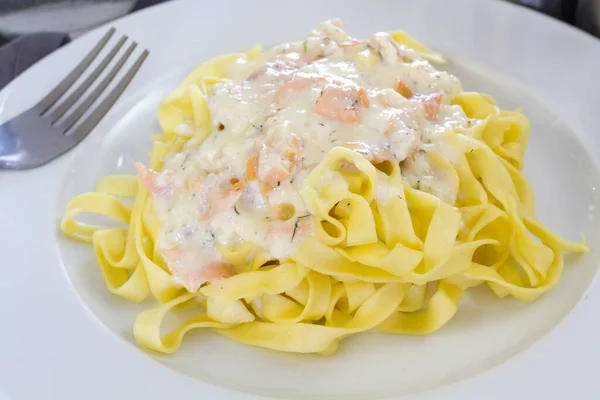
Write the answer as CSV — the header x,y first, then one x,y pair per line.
x,y
370,264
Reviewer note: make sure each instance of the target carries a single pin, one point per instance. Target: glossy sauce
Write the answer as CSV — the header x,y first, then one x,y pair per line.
x,y
274,121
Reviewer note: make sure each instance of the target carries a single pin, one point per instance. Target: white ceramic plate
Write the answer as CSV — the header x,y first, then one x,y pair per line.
x,y
65,337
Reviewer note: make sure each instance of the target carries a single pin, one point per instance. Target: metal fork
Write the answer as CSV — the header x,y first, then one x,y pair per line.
x,y
40,134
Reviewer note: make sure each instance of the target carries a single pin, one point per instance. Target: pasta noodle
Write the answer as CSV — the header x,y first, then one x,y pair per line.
x,y
372,258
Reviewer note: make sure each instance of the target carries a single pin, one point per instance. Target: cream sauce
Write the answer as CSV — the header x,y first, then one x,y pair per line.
x,y
274,121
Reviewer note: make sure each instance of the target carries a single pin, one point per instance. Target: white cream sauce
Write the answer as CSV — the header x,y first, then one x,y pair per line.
x,y
289,107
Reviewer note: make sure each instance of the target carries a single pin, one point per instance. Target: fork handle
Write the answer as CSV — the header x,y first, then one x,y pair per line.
x,y
9,147
25,141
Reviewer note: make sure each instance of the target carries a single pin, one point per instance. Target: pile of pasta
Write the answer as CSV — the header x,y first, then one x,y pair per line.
x,y
401,267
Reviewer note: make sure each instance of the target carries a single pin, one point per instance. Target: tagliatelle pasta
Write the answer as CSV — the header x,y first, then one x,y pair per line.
x,y
317,190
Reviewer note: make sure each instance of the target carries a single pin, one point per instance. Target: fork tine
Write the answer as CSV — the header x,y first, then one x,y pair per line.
x,y
69,101
92,120
66,83
89,100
